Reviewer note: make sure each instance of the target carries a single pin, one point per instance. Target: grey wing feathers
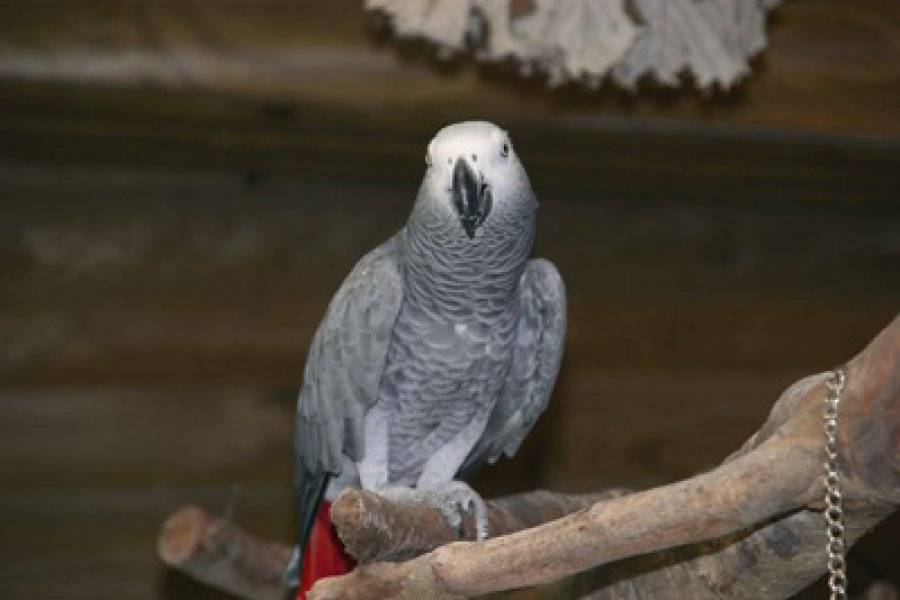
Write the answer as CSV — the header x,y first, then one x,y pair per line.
x,y
346,360
343,372
537,354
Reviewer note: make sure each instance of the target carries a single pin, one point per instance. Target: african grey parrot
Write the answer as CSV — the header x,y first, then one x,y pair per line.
x,y
438,352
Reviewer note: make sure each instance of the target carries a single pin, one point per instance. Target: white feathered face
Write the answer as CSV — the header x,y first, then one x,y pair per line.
x,y
474,173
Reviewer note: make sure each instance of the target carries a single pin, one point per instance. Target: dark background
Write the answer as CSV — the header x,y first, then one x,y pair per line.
x,y
184,185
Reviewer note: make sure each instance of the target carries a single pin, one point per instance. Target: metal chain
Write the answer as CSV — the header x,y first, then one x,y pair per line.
x,y
834,509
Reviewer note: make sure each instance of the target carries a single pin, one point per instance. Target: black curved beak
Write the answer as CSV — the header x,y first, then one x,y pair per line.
x,y
471,197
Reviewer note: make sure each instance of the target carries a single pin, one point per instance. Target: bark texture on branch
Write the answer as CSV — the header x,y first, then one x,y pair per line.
x,y
747,529
218,553
777,560
376,529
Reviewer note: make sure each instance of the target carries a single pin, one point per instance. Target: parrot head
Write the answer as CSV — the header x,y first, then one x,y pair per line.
x,y
474,177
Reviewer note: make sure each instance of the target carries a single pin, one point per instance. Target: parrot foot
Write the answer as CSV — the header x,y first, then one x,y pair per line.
x,y
452,498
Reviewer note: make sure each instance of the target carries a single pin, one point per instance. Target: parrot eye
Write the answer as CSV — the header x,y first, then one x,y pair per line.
x,y
504,151
428,160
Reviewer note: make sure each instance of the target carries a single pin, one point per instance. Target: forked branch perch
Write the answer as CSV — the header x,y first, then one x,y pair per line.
x,y
688,539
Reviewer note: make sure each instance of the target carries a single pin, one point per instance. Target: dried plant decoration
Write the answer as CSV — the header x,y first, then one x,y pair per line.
x,y
586,41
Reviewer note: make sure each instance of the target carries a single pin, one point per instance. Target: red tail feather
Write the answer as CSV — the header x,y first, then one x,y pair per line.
x,y
324,556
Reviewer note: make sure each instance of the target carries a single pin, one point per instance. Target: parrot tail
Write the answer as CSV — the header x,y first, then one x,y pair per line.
x,y
324,555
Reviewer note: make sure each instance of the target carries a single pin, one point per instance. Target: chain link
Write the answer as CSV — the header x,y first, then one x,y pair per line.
x,y
834,509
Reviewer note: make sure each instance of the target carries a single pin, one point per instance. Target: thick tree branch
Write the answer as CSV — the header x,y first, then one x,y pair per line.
x,y
218,553
376,529
777,560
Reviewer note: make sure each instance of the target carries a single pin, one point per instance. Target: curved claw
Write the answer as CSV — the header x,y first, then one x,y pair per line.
x,y
452,498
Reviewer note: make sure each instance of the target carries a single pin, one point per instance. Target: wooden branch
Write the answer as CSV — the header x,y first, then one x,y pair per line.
x,y
217,552
749,525
777,560
777,472
731,567
376,529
